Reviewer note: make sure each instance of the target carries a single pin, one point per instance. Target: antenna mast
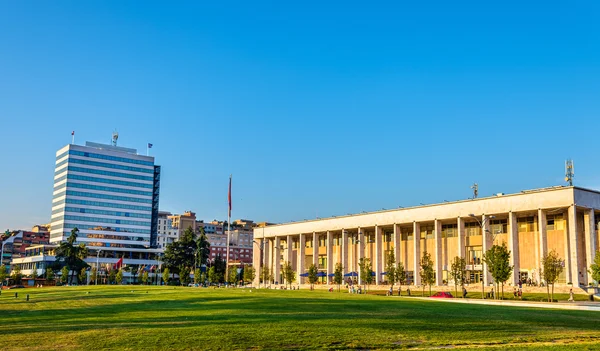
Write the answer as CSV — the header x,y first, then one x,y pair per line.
x,y
475,188
569,171
115,137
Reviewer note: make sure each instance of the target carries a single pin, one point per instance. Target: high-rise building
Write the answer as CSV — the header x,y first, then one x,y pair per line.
x,y
110,194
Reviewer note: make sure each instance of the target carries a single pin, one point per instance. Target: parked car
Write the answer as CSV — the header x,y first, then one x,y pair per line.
x,y
442,295
16,287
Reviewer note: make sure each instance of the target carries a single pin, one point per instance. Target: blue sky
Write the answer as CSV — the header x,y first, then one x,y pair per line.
x,y
317,109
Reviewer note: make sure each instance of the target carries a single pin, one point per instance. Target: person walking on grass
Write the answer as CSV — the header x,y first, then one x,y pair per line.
x,y
571,297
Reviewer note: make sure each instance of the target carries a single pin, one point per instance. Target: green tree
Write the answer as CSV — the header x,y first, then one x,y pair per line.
x,y
219,265
427,274
112,276
312,275
3,274
144,277
249,273
400,275
166,275
497,259
552,267
232,275
184,276
64,275
213,277
181,253
265,275
390,267
16,274
287,271
49,274
71,254
595,268
119,277
82,276
202,247
197,276
366,272
338,275
457,272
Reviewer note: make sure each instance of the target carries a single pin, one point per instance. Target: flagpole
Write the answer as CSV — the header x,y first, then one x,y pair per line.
x,y
228,231
147,150
73,138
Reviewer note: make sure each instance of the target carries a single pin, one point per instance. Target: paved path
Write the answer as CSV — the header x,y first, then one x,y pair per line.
x,y
582,306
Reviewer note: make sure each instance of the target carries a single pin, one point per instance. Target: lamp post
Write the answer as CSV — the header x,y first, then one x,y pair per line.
x,y
484,233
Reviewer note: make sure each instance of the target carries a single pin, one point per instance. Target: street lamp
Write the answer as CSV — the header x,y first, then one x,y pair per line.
x,y
484,233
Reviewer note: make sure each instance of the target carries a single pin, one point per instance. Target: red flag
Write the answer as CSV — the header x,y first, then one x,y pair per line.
x,y
119,263
229,196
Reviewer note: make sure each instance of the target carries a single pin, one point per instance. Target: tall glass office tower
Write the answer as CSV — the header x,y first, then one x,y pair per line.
x,y
110,194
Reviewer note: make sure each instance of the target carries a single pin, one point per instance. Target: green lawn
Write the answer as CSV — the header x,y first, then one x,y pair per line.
x,y
161,318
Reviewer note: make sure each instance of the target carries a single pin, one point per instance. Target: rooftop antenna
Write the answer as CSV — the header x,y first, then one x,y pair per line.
x,y
115,137
475,188
569,171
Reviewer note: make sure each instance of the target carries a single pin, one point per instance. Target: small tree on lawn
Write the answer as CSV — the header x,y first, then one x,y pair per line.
x,y
265,275
312,275
288,273
144,277
166,274
427,276
338,275
16,274
64,275
82,276
552,267
49,274
119,277
390,267
249,273
595,268
184,275
3,274
497,259
457,272
366,271
400,276
112,276
232,278
197,276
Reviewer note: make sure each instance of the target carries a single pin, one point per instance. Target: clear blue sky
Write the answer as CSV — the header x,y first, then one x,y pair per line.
x,y
317,108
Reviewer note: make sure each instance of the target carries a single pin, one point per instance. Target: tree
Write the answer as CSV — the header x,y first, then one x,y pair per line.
x,y
212,275
400,275
219,265
249,273
197,276
166,275
552,267
338,275
312,275
49,274
119,277
184,276
390,267
427,275
16,274
202,247
144,277
72,255
366,271
232,275
457,272
82,276
595,268
112,276
64,275
497,259
265,275
181,253
289,276
3,274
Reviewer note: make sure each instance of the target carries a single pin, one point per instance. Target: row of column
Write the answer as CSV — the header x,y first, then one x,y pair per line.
x,y
571,244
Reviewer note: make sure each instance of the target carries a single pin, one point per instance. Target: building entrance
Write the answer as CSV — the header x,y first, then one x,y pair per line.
x,y
474,277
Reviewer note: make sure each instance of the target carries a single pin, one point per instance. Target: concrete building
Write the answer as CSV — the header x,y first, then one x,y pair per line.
x,y
36,258
111,195
166,232
240,241
15,244
531,223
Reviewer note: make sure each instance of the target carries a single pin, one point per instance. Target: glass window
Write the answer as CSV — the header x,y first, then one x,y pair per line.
x,y
472,229
526,224
449,230
499,226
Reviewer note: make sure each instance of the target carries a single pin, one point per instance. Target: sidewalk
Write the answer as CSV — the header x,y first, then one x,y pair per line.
x,y
582,306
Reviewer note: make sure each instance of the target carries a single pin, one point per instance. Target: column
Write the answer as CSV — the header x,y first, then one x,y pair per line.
x,y
267,259
397,240
378,254
573,246
417,253
345,251
277,260
290,247
361,253
301,257
460,228
486,241
329,258
590,240
543,241
316,250
513,246
256,260
438,253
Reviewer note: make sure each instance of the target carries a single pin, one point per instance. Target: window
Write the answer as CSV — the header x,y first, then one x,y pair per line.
x,y
555,222
472,229
407,233
449,230
427,231
499,226
526,224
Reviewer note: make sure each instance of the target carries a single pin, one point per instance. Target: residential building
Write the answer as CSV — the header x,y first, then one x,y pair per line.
x,y
531,223
17,242
166,232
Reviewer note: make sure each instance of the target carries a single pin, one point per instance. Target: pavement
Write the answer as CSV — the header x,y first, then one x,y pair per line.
x,y
578,305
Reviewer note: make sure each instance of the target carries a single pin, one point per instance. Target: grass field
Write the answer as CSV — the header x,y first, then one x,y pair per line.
x,y
166,318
